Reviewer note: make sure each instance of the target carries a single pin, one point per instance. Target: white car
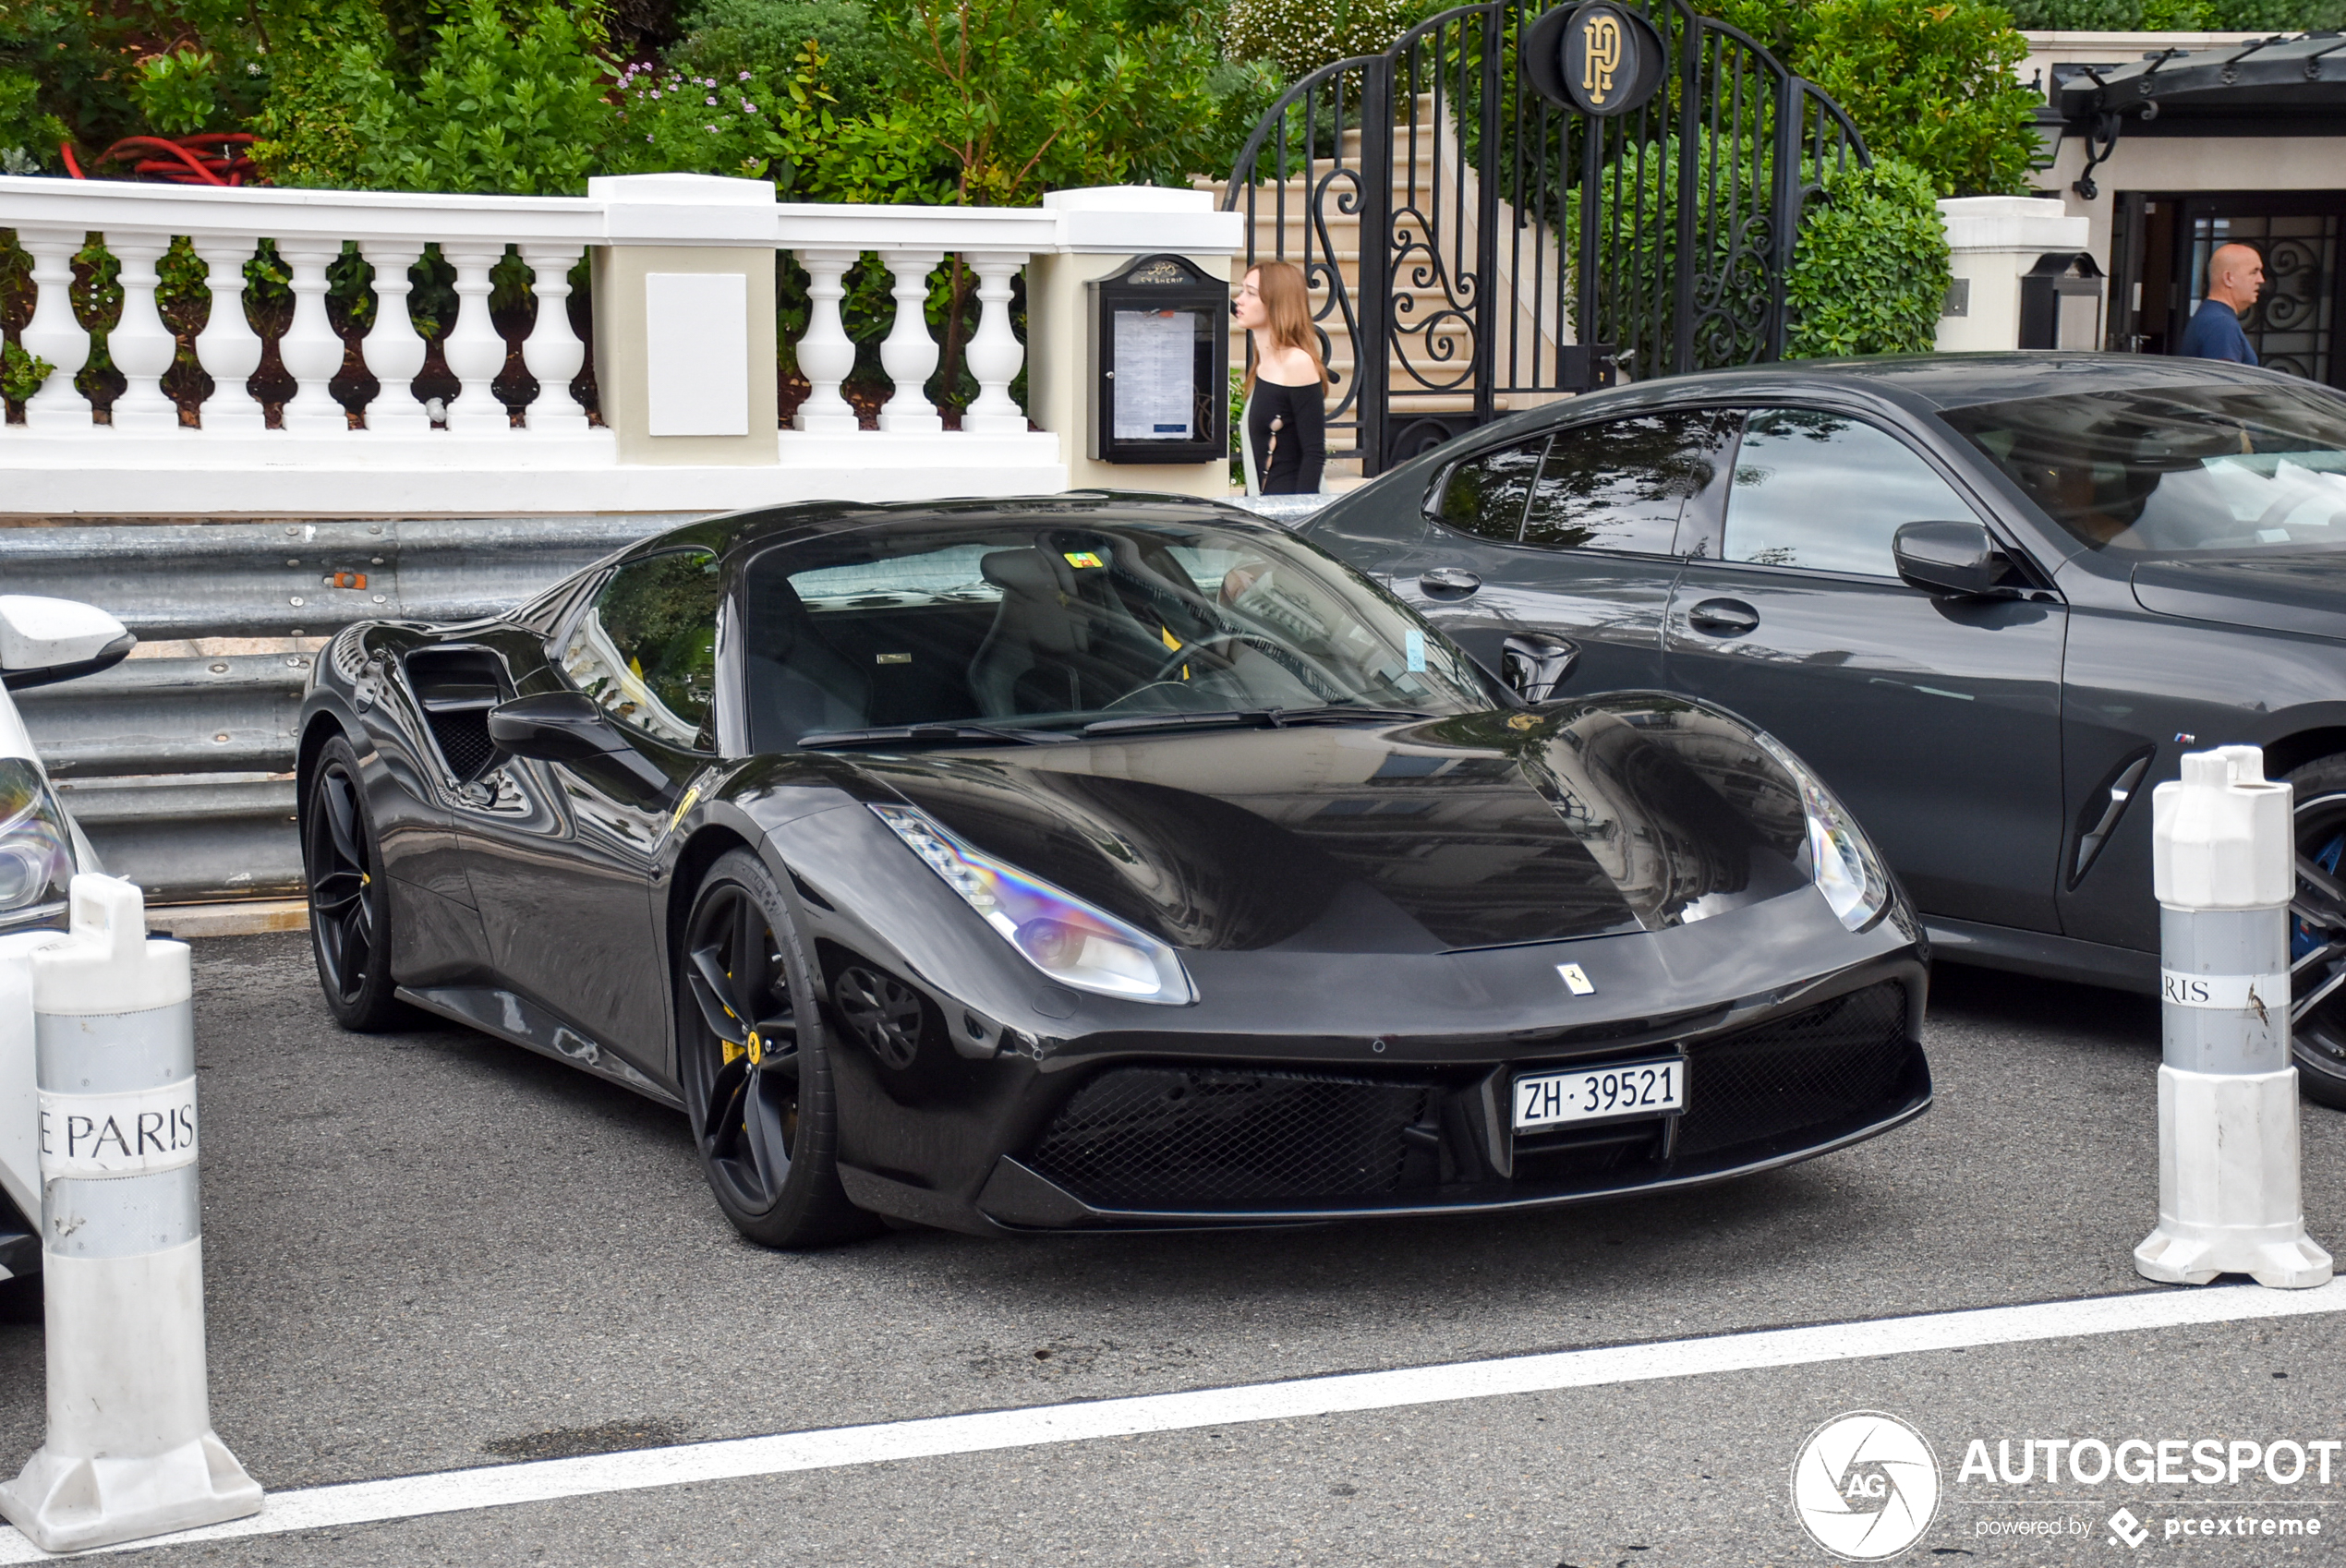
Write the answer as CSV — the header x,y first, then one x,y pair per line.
x,y
41,849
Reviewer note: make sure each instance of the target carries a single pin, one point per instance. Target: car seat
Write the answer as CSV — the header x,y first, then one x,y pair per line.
x,y
798,682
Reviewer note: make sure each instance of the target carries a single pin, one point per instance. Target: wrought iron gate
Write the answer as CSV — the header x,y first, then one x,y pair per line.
x,y
1473,247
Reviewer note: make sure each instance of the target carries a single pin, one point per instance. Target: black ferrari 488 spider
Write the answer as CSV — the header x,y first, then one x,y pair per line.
x,y
1091,862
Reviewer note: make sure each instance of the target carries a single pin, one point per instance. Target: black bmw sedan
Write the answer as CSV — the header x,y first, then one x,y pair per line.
x,y
1990,597
1096,861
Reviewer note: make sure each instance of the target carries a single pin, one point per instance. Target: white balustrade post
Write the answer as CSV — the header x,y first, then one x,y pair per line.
x,y
140,345
395,350
311,351
995,353
554,352
228,348
474,351
54,333
908,353
826,354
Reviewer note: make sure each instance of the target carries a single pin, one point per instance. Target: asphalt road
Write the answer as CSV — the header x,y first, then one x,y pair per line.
x,y
433,1251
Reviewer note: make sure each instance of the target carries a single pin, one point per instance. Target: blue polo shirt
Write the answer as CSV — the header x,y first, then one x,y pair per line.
x,y
2214,333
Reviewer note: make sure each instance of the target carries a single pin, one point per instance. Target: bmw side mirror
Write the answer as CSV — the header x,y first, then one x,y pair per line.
x,y
567,728
1954,560
45,640
1534,664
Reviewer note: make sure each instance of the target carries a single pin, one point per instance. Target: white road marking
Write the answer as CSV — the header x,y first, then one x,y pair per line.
x,y
501,1485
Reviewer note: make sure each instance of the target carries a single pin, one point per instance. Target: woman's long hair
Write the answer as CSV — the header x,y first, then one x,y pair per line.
x,y
1288,304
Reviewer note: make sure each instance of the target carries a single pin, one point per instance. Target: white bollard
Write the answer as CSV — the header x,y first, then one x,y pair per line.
x,y
131,1450
2224,863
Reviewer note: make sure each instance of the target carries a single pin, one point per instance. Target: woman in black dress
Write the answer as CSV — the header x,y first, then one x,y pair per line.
x,y
1286,423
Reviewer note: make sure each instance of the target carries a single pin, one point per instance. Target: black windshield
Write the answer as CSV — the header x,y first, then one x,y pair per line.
x,y
1054,627
2177,470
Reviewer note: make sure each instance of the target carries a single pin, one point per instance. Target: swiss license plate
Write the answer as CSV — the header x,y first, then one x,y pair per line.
x,y
1590,1094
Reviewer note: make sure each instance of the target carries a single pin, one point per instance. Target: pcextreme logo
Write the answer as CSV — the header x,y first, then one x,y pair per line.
x,y
1865,1486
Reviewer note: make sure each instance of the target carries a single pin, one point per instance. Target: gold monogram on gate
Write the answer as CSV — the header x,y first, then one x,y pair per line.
x,y
1600,39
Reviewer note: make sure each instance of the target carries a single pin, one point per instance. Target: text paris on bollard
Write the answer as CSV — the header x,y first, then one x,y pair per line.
x,y
131,1450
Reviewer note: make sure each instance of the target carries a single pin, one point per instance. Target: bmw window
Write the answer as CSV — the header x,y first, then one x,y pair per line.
x,y
1827,492
2176,470
1623,484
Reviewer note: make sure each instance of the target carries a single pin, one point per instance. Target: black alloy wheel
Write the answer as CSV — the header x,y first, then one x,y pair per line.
x,y
2318,931
349,916
757,1076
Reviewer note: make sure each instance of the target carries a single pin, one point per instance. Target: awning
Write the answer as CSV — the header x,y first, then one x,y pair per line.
x,y
2270,86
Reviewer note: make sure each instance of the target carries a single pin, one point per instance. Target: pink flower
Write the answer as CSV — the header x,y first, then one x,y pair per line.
x,y
712,103
744,76
655,93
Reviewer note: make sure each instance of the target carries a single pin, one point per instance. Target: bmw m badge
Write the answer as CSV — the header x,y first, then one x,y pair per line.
x,y
1577,981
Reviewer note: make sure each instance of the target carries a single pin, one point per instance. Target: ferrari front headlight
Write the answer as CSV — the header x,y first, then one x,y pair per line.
x,y
1842,861
1057,933
36,846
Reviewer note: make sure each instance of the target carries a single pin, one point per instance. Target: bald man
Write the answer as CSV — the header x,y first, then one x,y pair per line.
x,y
2235,274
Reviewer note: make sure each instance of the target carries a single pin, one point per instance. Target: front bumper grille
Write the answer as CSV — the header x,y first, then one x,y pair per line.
x,y
1165,1138
1821,1067
1160,1136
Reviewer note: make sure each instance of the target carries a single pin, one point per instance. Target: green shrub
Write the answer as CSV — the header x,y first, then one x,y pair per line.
x,y
2180,16
1932,85
1869,271
178,90
504,106
2274,16
1869,275
725,38
1928,82
1300,36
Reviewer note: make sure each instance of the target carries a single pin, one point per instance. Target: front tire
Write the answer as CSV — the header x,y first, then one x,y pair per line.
x,y
350,915
754,1066
2318,931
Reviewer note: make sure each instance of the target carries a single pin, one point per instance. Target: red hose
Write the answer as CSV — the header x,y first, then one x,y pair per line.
x,y
172,147
183,161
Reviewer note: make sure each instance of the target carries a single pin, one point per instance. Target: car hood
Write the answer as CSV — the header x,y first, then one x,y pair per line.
x,y
1618,814
2305,593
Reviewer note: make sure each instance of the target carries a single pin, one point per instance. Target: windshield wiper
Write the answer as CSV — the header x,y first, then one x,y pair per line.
x,y
1343,711
1248,717
927,735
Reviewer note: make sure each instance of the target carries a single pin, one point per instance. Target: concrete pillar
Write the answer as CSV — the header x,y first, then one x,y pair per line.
x,y
1100,230
1993,240
685,344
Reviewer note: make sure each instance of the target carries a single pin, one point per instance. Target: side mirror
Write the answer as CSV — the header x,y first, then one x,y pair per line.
x,y
567,728
46,640
1955,559
1534,664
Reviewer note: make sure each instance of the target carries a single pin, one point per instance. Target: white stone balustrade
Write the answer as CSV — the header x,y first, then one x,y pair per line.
x,y
315,457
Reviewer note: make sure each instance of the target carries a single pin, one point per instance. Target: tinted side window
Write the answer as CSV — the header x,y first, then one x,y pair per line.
x,y
1826,491
1621,484
646,648
1485,495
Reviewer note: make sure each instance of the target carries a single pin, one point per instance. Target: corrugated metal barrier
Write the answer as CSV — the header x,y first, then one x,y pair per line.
x,y
178,762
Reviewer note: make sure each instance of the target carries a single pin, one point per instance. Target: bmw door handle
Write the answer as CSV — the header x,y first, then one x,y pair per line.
x,y
1449,582
1723,618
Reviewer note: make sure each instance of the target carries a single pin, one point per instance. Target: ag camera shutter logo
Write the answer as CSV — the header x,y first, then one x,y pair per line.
x,y
1865,1486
